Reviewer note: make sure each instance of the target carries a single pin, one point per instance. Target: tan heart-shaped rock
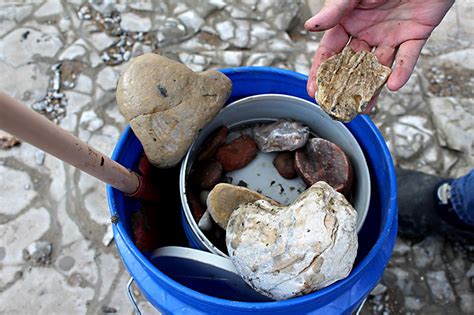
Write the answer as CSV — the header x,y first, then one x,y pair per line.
x,y
347,82
167,104
283,252
225,198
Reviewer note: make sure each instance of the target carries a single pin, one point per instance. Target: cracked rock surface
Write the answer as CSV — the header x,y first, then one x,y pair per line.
x,y
284,252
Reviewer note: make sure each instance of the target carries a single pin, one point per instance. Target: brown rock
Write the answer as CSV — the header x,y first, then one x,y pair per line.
x,y
284,163
348,81
209,149
322,160
207,174
167,104
8,141
197,209
225,198
237,154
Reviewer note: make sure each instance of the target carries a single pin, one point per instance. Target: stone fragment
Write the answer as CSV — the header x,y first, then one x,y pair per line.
x,y
191,20
322,160
39,157
347,82
440,287
38,252
210,148
135,23
8,141
206,174
283,252
167,104
225,198
49,9
282,135
237,154
197,209
284,162
205,223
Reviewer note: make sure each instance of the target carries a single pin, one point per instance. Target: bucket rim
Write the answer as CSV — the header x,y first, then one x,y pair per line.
x,y
297,301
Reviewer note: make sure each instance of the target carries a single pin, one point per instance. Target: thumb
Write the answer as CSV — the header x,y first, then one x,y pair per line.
x,y
330,15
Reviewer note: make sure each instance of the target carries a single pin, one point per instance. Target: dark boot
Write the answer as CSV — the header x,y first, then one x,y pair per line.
x,y
424,207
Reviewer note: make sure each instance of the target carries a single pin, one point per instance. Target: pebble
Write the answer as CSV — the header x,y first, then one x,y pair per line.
x,y
66,263
38,252
206,174
284,163
210,148
237,154
440,286
39,157
378,290
191,20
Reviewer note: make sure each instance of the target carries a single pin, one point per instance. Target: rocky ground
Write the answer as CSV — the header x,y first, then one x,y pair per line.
x,y
63,59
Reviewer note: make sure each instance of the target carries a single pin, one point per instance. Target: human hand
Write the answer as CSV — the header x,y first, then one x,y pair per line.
x,y
396,29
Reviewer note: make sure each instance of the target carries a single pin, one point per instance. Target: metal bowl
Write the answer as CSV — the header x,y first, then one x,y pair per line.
x,y
260,173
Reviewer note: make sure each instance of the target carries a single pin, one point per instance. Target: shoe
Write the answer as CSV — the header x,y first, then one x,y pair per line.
x,y
424,207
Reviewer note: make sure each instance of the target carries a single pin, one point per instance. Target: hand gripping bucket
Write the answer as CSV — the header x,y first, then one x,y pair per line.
x,y
376,238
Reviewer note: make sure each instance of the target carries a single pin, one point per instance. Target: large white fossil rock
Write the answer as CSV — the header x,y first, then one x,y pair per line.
x,y
283,252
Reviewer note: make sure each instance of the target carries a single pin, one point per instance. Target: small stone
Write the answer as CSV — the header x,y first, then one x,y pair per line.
x,y
414,303
205,223
166,120
466,302
322,160
440,287
8,141
75,52
100,40
282,135
108,236
191,20
107,79
237,154
210,148
197,209
284,163
206,174
107,309
132,22
283,252
14,197
378,290
38,252
348,81
225,198
225,30
39,157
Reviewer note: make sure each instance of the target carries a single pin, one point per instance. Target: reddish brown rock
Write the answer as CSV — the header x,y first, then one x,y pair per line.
x,y
197,209
322,160
142,233
207,174
284,163
237,154
209,149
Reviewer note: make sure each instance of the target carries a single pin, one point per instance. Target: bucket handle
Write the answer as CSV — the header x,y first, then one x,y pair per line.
x,y
130,296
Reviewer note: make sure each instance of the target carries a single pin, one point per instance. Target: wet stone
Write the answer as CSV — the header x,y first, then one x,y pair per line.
x,y
207,174
322,160
284,162
210,148
237,154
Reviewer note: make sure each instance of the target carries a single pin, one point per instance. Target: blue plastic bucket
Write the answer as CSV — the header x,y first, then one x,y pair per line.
x,y
376,239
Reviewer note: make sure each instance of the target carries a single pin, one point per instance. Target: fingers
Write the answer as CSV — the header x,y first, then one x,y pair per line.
x,y
385,55
330,15
405,61
332,43
371,104
359,45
